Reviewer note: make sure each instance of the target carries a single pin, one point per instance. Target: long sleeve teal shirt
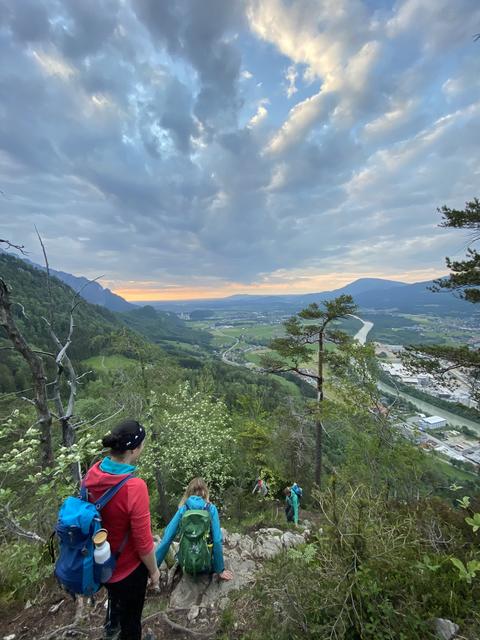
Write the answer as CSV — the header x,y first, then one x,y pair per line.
x,y
295,505
194,502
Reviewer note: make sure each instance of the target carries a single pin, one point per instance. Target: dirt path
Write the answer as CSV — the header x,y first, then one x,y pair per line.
x,y
185,607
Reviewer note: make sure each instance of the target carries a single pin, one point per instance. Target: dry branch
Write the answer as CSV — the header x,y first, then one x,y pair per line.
x,y
11,245
178,627
11,524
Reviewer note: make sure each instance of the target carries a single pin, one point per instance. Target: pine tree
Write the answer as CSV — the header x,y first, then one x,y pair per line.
x,y
307,334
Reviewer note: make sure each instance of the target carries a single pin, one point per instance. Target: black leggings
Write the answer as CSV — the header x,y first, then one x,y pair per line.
x,y
125,604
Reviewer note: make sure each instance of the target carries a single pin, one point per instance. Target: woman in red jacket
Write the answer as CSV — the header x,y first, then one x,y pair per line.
x,y
127,520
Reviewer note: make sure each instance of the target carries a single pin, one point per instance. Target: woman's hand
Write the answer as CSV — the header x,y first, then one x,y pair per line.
x,y
226,575
154,579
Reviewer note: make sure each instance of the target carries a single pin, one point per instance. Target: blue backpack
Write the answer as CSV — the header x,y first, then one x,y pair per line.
x,y
78,521
298,490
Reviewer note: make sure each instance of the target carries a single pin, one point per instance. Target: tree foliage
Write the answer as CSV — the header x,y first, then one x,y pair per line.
x,y
464,279
465,274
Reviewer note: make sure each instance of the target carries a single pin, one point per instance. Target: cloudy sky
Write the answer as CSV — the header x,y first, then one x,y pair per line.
x,y
191,148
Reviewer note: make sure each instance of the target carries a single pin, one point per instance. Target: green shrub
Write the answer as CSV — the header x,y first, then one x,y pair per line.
x,y
376,571
23,571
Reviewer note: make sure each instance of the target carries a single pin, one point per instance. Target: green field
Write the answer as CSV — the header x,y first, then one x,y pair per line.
x,y
109,363
290,387
256,356
250,334
454,473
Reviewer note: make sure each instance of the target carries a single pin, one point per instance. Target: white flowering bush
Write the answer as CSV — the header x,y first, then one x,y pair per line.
x,y
21,453
193,436
20,445
31,492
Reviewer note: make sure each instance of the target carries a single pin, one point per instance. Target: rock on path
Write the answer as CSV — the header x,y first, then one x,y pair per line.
x,y
243,555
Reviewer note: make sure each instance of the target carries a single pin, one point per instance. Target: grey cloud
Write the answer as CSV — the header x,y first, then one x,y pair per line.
x,y
134,145
84,27
28,19
197,32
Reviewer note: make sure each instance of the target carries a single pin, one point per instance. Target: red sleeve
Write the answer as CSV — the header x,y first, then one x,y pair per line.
x,y
139,510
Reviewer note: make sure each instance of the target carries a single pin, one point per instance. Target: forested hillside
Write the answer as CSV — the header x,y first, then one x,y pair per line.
x,y
163,327
33,302
97,330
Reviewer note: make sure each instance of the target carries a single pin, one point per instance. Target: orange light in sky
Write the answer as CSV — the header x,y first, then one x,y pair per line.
x,y
272,285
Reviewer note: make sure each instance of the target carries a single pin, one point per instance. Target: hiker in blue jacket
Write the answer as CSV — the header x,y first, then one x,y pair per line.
x,y
196,497
292,502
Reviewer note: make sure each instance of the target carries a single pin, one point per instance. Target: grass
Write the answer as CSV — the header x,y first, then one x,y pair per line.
x,y
221,340
290,387
454,473
109,363
183,346
250,333
258,514
256,356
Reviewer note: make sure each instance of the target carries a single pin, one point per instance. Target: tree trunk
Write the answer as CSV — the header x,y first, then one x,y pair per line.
x,y
318,451
318,421
68,432
164,510
160,484
37,369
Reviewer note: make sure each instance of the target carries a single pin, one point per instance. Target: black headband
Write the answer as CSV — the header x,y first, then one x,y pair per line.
x,y
135,438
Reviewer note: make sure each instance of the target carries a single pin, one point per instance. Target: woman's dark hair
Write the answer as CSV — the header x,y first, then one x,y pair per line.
x,y
126,436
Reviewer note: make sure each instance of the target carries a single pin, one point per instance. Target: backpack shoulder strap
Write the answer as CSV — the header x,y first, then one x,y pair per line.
x,y
83,490
108,495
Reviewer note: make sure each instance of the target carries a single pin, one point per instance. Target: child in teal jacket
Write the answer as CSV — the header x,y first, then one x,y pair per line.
x,y
196,497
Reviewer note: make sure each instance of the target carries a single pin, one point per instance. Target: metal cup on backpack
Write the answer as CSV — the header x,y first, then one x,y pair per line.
x,y
102,555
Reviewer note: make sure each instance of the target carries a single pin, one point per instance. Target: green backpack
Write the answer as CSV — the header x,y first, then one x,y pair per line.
x,y
194,554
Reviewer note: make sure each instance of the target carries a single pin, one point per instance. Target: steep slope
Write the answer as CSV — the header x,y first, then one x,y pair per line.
x,y
29,290
92,292
94,325
160,326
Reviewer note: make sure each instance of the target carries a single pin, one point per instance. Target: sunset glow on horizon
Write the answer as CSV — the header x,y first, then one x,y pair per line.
x,y
304,284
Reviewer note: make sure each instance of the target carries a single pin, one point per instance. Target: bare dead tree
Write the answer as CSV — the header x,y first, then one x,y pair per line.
x,y
49,288
37,368
12,525
11,245
64,365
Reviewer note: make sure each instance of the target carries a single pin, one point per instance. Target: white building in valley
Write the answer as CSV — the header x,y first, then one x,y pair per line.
x,y
432,422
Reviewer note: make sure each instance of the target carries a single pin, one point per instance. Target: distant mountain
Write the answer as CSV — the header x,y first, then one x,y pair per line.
x,y
414,298
278,302
374,294
92,292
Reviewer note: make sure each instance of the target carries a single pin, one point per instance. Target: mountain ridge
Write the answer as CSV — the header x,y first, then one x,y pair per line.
x,y
90,290
353,288
370,294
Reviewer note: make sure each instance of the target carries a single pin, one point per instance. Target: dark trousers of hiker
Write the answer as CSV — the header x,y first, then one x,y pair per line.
x,y
125,605
290,513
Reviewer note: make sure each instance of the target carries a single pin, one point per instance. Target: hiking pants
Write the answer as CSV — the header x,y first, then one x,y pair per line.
x,y
125,604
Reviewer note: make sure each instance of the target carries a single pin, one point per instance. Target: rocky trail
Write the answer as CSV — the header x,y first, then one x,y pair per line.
x,y
185,607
